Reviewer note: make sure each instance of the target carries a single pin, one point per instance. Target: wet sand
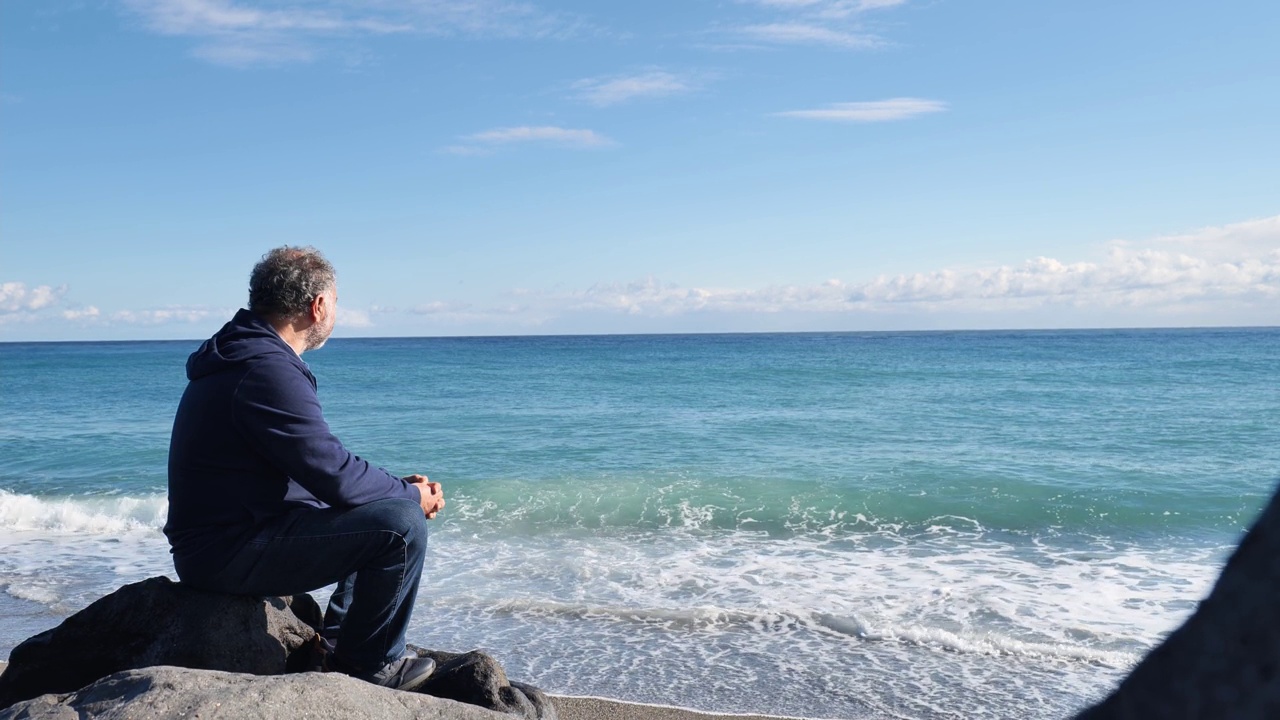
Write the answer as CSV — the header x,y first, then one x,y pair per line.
x,y
592,708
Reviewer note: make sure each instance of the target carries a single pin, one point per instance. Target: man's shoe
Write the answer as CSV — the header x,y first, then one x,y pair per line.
x,y
408,673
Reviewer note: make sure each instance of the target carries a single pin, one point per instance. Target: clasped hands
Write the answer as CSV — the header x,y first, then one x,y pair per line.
x,y
432,500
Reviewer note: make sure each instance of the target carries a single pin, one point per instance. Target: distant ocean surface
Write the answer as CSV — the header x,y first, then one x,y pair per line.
x,y
905,525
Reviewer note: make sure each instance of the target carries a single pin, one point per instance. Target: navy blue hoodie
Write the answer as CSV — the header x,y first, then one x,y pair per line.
x,y
250,444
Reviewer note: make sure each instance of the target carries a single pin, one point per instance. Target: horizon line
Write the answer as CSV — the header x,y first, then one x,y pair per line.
x,y
700,333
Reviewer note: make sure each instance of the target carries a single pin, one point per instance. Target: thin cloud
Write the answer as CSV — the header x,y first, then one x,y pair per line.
x,y
545,133
466,150
439,308
168,315
797,33
1256,236
620,89
248,33
467,314
257,53
875,111
828,8
484,143
199,17
830,23
349,318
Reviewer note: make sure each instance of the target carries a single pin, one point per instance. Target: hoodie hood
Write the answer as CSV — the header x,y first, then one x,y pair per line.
x,y
245,337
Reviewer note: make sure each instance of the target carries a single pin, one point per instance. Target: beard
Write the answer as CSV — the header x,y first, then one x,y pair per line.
x,y
317,334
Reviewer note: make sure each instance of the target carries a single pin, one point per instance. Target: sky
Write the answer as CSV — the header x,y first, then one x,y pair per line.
x,y
481,167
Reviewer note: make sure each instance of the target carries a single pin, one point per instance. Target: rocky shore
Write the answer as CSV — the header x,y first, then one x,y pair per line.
x,y
182,692
158,650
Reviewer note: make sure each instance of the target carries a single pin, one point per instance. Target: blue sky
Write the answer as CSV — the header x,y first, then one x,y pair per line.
x,y
508,167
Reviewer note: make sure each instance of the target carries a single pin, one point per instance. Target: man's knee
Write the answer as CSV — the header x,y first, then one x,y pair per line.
x,y
405,518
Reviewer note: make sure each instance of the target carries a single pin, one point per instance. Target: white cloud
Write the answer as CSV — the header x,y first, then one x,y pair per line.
x,y
831,23
349,318
168,315
1124,279
483,143
1257,236
799,33
559,135
619,89
243,33
1230,271
466,314
438,308
16,297
86,313
875,111
831,8
259,52
789,4
46,303
466,150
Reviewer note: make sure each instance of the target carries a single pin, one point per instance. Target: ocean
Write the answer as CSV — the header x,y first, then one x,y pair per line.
x,y
846,525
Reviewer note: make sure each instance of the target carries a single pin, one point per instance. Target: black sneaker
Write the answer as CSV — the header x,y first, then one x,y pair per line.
x,y
408,673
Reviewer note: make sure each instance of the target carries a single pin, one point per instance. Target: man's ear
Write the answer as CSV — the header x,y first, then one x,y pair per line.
x,y
320,306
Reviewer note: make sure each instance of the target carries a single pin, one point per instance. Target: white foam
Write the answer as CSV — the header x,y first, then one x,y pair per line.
x,y
98,515
891,621
40,593
1057,619
64,552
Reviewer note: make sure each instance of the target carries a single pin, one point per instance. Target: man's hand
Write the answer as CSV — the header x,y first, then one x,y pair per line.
x,y
432,496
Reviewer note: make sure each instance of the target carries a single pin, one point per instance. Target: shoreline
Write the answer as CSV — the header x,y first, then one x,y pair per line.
x,y
590,707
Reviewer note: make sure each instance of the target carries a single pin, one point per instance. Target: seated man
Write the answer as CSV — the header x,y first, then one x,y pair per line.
x,y
264,500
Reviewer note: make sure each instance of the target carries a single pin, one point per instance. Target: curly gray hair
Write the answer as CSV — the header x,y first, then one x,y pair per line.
x,y
287,279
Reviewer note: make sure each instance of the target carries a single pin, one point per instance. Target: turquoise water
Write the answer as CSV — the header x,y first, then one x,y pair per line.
x,y
919,525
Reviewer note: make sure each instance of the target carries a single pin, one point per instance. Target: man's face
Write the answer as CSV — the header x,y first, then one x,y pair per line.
x,y
322,328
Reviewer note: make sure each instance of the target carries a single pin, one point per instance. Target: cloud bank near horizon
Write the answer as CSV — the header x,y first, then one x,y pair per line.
x,y
1231,270
1226,269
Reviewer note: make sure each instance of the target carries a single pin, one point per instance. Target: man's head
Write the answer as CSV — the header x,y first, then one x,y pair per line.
x,y
295,287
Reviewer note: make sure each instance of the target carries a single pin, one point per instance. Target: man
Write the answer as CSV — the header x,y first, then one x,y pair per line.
x,y
264,500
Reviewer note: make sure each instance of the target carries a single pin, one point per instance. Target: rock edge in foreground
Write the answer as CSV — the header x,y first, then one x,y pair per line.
x,y
157,622
172,692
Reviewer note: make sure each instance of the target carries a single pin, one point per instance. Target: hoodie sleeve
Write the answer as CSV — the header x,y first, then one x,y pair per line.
x,y
277,410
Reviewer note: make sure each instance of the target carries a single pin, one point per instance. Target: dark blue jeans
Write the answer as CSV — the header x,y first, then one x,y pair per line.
x,y
374,552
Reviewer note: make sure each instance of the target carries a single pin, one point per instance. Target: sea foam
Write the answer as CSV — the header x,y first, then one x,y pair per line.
x,y
94,515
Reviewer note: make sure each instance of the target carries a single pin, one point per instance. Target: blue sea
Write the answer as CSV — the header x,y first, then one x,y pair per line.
x,y
852,525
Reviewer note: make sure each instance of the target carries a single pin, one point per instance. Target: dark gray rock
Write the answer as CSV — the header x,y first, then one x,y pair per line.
x,y
159,622
305,608
1224,662
476,678
169,693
